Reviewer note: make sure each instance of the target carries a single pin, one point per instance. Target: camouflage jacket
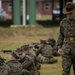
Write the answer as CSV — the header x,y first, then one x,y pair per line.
x,y
45,51
4,69
31,53
15,67
67,30
28,64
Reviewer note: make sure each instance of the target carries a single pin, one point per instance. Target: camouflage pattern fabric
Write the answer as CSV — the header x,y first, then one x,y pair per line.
x,y
29,65
44,60
38,65
55,51
4,69
32,54
52,43
66,41
47,55
25,72
45,51
15,67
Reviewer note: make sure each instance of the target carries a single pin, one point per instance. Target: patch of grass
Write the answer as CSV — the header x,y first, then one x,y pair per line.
x,y
11,38
44,17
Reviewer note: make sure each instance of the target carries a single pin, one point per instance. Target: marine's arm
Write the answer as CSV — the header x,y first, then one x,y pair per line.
x,y
60,38
26,63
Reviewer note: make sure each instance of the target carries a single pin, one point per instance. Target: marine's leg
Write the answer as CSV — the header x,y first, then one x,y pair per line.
x,y
73,60
52,60
66,64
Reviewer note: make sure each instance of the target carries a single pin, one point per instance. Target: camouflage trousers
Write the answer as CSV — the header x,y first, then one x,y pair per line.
x,y
46,60
68,58
67,61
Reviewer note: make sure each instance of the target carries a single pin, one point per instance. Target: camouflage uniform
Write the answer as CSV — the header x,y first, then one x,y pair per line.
x,y
29,65
66,41
52,43
32,54
4,69
14,64
55,51
15,67
46,52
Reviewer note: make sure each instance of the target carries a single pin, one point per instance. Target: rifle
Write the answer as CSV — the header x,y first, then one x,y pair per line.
x,y
36,45
6,51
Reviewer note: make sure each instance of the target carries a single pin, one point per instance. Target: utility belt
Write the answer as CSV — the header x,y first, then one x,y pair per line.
x,y
70,38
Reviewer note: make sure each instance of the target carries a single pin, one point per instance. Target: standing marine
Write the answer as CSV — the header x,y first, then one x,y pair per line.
x,y
66,39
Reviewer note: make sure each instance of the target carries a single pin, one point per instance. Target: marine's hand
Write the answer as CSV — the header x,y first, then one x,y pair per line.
x,y
60,51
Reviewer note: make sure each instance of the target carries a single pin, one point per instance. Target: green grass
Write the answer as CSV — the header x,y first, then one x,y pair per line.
x,y
52,69
44,17
11,38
